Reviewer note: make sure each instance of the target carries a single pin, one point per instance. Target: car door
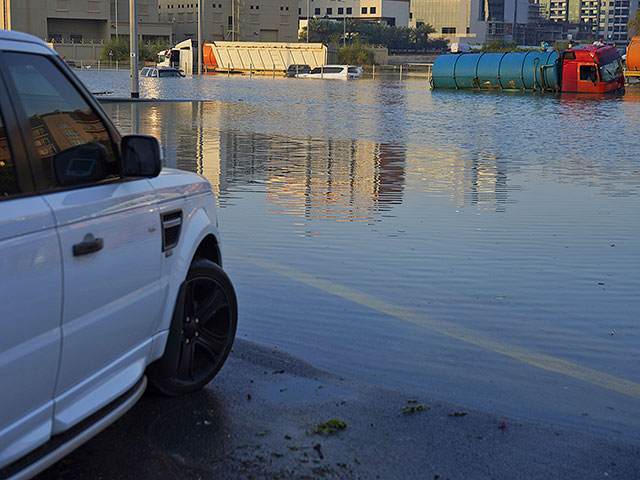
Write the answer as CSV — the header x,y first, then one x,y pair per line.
x,y
30,299
109,230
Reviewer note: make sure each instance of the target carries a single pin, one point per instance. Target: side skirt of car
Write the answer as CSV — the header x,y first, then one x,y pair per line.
x,y
63,444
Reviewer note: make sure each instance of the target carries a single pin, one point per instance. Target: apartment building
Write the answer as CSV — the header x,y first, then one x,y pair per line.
x,y
387,12
606,19
235,20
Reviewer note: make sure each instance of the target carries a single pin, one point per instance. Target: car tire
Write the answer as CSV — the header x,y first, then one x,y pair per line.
x,y
208,316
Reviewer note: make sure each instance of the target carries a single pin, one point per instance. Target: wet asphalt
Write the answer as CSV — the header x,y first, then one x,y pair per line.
x,y
259,419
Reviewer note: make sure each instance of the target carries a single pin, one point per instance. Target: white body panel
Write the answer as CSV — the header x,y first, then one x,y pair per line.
x,y
78,331
31,299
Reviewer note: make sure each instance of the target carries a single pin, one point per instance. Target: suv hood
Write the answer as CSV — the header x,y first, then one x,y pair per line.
x,y
173,183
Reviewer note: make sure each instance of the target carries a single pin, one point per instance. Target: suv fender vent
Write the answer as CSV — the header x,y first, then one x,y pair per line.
x,y
171,226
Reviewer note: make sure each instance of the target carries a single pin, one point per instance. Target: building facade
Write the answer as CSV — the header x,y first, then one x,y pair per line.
x,y
150,28
451,19
234,20
387,12
81,21
601,19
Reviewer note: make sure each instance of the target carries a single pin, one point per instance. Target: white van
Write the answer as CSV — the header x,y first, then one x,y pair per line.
x,y
460,48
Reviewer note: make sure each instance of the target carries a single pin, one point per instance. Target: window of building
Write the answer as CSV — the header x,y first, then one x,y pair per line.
x,y
364,10
448,30
284,19
299,11
316,11
372,10
61,165
8,179
329,11
340,10
93,6
62,5
349,10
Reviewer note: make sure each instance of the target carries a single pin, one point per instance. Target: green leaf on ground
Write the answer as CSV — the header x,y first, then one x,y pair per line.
x,y
415,408
327,428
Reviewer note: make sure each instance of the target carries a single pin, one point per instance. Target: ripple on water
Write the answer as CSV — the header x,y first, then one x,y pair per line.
x,y
515,215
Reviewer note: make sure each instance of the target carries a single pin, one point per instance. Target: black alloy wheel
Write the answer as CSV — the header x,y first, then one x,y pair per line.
x,y
208,325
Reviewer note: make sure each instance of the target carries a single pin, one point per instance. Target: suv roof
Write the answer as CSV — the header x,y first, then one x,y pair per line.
x,y
19,37
24,38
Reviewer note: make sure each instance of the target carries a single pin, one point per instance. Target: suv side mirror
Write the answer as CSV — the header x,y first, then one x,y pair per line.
x,y
141,156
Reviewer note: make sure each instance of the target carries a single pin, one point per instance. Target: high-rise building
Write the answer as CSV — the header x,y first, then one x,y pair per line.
x,y
605,19
473,21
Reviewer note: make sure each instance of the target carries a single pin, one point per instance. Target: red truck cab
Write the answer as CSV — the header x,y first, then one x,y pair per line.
x,y
591,69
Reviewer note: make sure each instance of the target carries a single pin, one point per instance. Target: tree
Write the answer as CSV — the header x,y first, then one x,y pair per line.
x,y
120,49
420,35
355,54
326,31
633,27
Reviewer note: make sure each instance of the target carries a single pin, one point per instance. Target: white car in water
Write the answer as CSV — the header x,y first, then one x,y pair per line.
x,y
110,266
341,72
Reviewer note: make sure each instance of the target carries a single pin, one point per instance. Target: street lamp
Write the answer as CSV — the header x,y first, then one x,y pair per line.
x,y
307,21
344,23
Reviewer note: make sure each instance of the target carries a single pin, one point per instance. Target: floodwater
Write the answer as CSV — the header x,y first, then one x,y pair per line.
x,y
482,248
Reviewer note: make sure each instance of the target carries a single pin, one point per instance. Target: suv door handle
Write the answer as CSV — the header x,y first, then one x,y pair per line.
x,y
88,245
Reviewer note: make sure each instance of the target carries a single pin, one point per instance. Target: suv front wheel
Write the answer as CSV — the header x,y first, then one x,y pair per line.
x,y
208,316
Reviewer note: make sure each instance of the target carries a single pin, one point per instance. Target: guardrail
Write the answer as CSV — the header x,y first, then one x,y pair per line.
x,y
407,70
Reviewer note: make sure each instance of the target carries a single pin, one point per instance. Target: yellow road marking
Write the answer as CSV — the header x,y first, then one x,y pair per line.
x,y
545,362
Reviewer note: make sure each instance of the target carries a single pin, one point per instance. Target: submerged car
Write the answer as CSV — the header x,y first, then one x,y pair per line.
x,y
296,69
343,72
110,266
160,72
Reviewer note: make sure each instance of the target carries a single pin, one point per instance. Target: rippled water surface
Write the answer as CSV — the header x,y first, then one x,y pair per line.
x,y
481,248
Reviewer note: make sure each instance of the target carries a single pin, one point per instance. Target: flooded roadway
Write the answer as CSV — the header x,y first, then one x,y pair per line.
x,y
480,248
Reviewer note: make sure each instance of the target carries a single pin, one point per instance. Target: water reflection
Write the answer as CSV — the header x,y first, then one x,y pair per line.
x,y
312,177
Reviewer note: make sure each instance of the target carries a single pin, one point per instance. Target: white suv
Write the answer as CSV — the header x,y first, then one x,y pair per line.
x,y
110,269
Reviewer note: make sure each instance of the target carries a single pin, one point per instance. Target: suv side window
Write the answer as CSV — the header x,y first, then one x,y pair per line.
x,y
72,143
8,180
